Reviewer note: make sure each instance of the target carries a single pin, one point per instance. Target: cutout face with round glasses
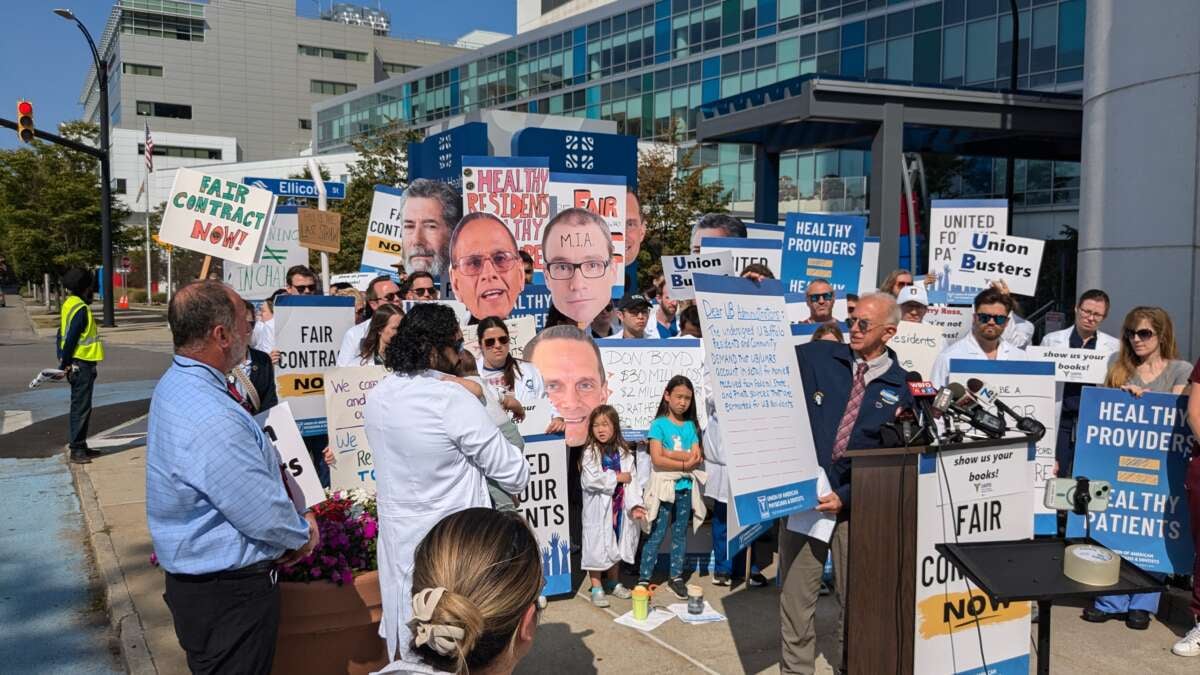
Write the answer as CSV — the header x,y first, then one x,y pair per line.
x,y
578,253
485,269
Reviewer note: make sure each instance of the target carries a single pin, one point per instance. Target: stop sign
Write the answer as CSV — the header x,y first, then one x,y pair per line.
x,y
125,261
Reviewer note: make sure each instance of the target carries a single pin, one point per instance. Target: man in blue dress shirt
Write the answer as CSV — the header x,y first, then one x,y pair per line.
x,y
219,514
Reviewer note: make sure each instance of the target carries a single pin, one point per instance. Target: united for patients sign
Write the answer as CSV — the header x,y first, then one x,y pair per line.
x,y
308,332
745,252
764,426
544,505
823,246
216,217
952,223
1142,447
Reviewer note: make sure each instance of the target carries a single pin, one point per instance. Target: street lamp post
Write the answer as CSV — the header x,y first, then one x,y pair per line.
x,y
105,176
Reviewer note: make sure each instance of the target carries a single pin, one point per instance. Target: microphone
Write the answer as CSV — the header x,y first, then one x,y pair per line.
x,y
923,393
1026,424
976,415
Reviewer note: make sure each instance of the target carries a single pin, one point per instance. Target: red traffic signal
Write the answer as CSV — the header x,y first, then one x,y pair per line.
x,y
25,121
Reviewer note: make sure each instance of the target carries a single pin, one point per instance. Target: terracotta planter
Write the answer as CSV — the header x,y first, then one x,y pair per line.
x,y
326,628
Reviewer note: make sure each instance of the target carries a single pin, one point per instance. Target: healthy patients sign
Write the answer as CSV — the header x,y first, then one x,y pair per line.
x,y
1142,447
823,246
764,426
217,217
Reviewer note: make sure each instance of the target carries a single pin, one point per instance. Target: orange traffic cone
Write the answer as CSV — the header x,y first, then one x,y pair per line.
x,y
123,302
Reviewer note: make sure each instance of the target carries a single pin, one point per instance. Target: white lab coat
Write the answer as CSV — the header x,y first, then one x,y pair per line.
x,y
968,348
528,387
602,548
263,336
348,352
434,447
1018,332
1062,338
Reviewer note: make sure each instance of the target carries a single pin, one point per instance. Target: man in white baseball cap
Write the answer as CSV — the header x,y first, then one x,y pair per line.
x,y
914,302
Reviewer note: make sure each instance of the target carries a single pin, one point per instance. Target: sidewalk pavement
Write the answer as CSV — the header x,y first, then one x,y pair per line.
x,y
573,636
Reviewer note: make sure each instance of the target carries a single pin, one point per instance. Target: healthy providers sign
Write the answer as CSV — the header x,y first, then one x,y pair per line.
x,y
384,247
970,495
216,217
346,392
281,250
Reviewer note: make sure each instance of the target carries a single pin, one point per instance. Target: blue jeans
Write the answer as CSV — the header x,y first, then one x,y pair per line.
x,y
83,382
720,530
682,509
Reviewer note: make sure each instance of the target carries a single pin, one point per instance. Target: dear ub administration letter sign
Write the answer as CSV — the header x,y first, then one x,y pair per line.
x,y
346,392
217,217
970,495
544,505
638,372
764,427
308,332
1141,446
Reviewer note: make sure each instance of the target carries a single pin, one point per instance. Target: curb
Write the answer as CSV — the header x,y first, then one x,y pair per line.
x,y
121,613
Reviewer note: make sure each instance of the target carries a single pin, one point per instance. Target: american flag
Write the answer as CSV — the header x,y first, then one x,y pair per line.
x,y
149,150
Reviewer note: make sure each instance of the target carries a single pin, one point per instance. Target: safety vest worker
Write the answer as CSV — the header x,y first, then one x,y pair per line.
x,y
79,350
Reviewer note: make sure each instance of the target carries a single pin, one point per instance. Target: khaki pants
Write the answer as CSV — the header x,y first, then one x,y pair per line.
x,y
802,562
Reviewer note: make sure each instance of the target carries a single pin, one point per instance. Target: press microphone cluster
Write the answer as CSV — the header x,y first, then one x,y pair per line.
x,y
970,404
987,395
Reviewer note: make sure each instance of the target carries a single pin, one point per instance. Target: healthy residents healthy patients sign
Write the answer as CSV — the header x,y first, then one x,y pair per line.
x,y
1142,447
764,426
217,217
296,187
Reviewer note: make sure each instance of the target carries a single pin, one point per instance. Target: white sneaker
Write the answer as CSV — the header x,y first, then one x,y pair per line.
x,y
598,598
619,591
1188,645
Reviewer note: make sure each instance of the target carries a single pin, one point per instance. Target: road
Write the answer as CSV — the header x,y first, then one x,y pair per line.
x,y
51,605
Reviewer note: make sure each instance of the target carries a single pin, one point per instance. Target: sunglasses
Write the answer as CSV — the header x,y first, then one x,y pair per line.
x,y
863,324
472,265
998,319
1144,334
820,297
305,289
493,341
425,292
390,297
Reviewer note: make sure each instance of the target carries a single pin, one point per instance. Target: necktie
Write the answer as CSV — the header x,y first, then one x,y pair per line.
x,y
236,396
851,415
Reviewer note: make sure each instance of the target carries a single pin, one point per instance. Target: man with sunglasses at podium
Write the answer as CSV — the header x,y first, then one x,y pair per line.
x,y
993,310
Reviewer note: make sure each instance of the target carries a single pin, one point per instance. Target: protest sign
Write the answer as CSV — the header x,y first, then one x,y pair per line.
x,y
460,310
217,217
917,346
868,275
954,322
638,372
359,280
514,190
969,495
1081,366
765,231
534,301
764,426
1028,388
678,269
544,505
537,417
308,333
989,256
281,250
520,331
823,246
604,196
303,484
1142,447
346,392
952,223
320,230
384,246
767,252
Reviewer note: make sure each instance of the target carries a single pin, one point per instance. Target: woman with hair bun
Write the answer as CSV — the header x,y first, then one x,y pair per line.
x,y
477,583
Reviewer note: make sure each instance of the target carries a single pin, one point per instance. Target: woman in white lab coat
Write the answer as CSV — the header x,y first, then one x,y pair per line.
x,y
434,448
612,504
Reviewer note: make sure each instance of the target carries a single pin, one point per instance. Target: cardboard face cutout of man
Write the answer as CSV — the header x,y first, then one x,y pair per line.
x,y
485,271
574,377
578,256
426,235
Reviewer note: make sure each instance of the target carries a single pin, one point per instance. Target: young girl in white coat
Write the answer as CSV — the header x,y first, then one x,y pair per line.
x,y
611,506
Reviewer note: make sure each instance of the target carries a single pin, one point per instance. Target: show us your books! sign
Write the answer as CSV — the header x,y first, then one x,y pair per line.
x,y
218,217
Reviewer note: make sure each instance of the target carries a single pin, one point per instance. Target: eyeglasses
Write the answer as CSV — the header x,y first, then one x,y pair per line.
x,y
1090,314
590,269
428,291
305,289
998,319
820,297
493,341
1144,334
472,265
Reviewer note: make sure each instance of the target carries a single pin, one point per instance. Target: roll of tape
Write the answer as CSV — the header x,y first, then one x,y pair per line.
x,y
1091,565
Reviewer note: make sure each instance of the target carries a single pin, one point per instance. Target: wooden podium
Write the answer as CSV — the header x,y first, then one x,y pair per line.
x,y
881,581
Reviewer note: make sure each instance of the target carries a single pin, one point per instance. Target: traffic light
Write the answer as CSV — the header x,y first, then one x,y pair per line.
x,y
25,121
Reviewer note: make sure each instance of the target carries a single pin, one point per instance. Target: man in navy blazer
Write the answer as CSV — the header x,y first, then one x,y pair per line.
x,y
829,371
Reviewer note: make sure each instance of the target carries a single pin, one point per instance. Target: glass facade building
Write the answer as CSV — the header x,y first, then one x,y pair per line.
x,y
648,66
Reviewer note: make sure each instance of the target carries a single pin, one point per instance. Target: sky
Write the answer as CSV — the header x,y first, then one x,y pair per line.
x,y
44,58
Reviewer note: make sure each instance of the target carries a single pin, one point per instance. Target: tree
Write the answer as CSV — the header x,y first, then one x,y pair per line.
x,y
673,195
50,206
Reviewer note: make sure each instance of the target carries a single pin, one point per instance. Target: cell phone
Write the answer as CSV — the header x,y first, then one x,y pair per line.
x,y
1061,494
